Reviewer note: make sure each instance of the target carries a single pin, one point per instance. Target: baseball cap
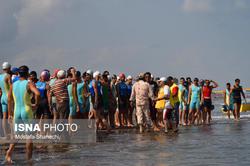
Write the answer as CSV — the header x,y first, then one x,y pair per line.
x,y
6,65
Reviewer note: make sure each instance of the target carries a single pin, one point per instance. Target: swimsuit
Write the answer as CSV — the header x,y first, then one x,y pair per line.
x,y
207,91
229,100
5,89
72,105
22,98
237,95
195,98
43,107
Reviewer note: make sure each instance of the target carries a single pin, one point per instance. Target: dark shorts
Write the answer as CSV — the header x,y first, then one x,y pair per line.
x,y
43,109
153,110
170,115
63,109
124,104
237,100
207,103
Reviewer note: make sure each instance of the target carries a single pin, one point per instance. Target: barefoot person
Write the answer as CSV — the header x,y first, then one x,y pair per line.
x,y
194,101
174,101
122,94
183,101
237,91
129,83
207,100
153,110
60,91
141,92
228,101
164,108
5,83
20,97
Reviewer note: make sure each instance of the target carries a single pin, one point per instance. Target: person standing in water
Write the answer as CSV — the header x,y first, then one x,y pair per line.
x,y
183,93
141,92
60,91
5,83
129,83
194,101
19,99
207,100
237,91
122,94
43,110
228,101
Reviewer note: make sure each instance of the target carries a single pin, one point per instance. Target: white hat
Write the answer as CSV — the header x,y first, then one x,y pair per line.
x,y
96,73
164,79
90,72
61,74
129,77
6,65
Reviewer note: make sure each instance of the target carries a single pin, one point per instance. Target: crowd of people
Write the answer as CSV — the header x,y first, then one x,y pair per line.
x,y
115,101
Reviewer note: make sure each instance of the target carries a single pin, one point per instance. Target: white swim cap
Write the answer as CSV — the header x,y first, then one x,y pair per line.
x,y
129,77
90,72
96,74
61,74
6,65
109,77
164,79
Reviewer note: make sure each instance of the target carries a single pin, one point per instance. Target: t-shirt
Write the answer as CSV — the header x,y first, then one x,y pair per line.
x,y
167,93
60,90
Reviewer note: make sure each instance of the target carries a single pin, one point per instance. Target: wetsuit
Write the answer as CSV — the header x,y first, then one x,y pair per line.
x,y
22,99
237,94
123,96
5,89
79,91
72,105
43,107
195,98
92,92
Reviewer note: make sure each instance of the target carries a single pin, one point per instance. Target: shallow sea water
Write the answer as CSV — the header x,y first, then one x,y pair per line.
x,y
225,142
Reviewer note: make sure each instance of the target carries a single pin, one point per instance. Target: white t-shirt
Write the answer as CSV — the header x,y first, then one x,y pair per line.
x,y
167,93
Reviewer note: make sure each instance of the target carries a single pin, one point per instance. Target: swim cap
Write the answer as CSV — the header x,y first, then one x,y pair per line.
x,y
45,75
6,65
109,77
90,72
61,74
164,79
129,77
14,70
122,75
141,76
96,74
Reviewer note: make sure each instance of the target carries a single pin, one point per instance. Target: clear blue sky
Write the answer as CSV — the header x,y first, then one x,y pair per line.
x,y
197,38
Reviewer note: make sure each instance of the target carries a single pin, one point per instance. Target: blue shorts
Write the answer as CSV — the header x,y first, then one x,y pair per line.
x,y
183,107
231,107
4,104
4,107
194,105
